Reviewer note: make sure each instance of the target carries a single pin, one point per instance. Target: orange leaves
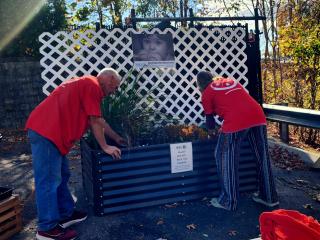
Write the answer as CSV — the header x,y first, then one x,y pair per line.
x,y
186,132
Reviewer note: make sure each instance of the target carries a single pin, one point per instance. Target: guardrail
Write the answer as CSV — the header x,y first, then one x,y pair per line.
x,y
293,116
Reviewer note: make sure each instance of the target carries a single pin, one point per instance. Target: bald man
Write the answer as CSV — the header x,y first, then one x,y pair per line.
x,y
53,127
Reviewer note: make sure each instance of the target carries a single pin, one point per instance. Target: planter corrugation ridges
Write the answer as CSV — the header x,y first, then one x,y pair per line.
x,y
143,176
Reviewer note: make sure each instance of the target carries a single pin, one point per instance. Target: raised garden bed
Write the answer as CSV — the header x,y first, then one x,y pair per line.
x,y
143,176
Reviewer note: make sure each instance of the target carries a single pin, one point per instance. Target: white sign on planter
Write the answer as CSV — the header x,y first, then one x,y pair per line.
x,y
181,157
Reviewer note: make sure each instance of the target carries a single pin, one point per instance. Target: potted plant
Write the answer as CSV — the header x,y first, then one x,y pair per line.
x,y
143,177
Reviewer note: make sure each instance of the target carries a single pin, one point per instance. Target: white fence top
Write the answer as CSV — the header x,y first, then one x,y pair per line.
x,y
220,50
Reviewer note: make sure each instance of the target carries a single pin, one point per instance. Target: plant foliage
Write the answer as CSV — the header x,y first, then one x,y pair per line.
x,y
133,115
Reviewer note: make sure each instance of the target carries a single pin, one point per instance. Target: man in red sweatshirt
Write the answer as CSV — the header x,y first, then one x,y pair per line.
x,y
53,127
242,116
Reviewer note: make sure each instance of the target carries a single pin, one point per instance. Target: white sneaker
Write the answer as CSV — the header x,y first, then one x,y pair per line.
x,y
256,198
214,202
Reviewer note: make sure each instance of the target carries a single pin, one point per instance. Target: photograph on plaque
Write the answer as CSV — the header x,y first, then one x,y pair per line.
x,y
153,50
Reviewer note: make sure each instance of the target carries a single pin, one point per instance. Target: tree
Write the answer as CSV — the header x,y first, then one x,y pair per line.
x,y
159,8
38,16
300,42
299,34
88,12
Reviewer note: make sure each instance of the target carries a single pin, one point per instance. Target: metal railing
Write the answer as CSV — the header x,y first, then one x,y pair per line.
x,y
293,116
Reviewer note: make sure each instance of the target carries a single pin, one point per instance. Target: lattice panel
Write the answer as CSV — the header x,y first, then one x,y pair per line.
x,y
220,50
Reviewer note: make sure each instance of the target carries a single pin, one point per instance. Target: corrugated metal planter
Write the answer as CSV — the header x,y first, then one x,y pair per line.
x,y
143,176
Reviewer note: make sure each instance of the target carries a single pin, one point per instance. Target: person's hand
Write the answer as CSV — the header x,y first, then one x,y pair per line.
x,y
113,151
148,56
154,57
121,142
212,133
142,56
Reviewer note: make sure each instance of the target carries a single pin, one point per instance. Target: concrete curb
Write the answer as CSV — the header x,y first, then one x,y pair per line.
x,y
311,159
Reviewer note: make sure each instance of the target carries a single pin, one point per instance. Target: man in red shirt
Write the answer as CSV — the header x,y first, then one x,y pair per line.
x,y
242,116
53,127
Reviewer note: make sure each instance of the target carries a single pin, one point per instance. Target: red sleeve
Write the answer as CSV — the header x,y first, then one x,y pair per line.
x,y
91,99
207,103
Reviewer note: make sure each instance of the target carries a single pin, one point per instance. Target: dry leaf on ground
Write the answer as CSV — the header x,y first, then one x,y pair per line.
x,y
232,233
160,222
307,206
171,205
191,226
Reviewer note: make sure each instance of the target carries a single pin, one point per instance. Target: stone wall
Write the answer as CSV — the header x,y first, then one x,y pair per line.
x,y
20,91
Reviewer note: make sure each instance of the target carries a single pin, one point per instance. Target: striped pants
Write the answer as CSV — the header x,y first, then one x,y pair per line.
x,y
227,155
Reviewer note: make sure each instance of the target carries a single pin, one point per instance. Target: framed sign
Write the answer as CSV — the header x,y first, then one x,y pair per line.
x,y
181,157
153,50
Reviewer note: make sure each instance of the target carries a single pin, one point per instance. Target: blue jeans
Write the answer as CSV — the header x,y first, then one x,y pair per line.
x,y
51,174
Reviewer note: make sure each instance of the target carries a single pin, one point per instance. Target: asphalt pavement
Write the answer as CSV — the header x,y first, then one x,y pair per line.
x,y
298,190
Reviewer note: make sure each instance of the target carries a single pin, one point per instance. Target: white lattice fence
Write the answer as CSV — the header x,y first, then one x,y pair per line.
x,y
220,50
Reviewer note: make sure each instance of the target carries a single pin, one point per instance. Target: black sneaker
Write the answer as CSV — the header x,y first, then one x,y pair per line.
x,y
74,218
57,233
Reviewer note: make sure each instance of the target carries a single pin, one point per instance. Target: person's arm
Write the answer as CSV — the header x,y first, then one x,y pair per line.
x,y
144,55
208,108
210,122
141,55
211,125
110,133
98,126
113,135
